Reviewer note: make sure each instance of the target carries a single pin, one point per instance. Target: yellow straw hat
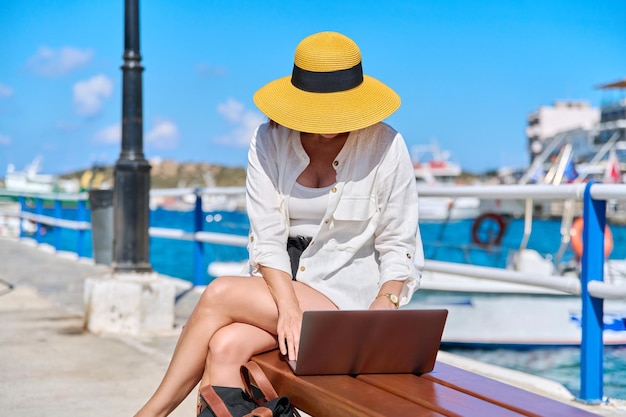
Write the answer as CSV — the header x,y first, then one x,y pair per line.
x,y
327,91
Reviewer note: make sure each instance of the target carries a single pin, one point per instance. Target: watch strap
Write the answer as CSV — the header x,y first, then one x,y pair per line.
x,y
393,299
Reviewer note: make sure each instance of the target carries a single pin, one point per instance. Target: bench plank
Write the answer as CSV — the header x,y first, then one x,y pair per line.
x,y
335,395
436,396
504,395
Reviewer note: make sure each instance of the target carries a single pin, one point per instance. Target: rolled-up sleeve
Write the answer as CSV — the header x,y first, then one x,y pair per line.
x,y
398,241
265,205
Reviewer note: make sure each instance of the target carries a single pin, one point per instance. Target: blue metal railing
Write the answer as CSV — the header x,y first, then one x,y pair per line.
x,y
591,287
198,246
592,264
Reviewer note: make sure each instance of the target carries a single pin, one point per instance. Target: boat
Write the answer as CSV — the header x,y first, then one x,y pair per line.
x,y
433,168
30,180
493,314
513,313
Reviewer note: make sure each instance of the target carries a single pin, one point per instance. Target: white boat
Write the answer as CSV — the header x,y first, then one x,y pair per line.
x,y
31,181
488,313
433,168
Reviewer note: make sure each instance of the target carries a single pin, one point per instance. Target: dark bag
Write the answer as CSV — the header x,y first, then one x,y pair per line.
x,y
217,401
259,400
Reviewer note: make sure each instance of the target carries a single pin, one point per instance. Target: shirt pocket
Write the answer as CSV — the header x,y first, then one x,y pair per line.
x,y
355,208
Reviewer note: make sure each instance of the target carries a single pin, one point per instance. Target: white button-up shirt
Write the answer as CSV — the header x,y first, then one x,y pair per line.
x,y
369,234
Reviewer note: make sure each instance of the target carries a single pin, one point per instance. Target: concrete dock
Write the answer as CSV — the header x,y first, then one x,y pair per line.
x,y
50,365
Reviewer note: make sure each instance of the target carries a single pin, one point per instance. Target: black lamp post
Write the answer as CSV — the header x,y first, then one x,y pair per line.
x,y
131,210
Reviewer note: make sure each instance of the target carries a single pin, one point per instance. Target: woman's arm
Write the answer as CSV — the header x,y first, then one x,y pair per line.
x,y
265,204
268,236
397,239
289,312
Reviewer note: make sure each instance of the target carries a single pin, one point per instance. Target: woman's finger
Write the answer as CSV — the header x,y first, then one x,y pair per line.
x,y
296,345
282,343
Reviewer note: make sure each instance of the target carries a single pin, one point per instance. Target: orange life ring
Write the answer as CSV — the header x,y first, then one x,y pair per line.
x,y
492,238
576,238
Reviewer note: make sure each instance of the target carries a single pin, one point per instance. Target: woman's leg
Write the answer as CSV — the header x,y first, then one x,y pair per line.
x,y
226,300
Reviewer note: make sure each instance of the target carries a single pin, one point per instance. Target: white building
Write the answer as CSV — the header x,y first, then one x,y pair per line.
x,y
573,132
547,121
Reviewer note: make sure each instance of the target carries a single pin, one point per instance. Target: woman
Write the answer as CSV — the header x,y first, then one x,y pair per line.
x,y
333,220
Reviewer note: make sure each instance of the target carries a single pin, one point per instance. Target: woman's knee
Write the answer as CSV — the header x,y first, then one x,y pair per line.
x,y
237,342
227,346
215,292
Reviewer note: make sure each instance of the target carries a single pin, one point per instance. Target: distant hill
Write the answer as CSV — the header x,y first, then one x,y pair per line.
x,y
171,174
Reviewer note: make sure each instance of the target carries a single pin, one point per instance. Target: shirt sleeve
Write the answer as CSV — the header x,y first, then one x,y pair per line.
x,y
265,204
398,241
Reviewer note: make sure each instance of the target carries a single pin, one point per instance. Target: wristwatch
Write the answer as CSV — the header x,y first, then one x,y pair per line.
x,y
392,297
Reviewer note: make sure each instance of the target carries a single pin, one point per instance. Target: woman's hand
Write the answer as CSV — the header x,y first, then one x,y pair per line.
x,y
288,330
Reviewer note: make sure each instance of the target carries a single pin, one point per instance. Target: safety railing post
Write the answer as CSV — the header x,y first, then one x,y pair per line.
x,y
592,265
198,246
22,200
81,217
39,211
58,214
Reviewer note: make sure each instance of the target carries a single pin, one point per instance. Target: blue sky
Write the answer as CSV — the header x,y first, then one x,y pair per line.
x,y
468,72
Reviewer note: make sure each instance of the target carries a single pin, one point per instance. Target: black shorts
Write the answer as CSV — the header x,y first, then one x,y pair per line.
x,y
295,247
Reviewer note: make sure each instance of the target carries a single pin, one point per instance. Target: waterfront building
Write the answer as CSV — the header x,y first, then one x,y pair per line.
x,y
573,133
547,122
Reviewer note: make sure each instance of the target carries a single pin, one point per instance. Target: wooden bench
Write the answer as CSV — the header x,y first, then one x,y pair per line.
x,y
447,391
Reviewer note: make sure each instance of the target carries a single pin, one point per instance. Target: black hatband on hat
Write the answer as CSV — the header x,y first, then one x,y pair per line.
x,y
327,82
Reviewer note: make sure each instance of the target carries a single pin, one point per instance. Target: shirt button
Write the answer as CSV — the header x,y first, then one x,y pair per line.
x,y
251,238
408,255
326,221
336,163
302,268
334,190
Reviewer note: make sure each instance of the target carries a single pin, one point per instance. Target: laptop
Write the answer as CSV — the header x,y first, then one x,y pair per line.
x,y
352,342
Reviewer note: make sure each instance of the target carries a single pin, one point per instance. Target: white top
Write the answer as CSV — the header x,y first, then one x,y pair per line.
x,y
369,233
307,206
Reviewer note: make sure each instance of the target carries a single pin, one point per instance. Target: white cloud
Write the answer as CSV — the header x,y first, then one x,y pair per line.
x,y
4,139
5,91
245,121
163,135
110,135
89,95
49,62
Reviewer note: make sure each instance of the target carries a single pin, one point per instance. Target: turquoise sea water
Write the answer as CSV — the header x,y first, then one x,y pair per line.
x,y
446,241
